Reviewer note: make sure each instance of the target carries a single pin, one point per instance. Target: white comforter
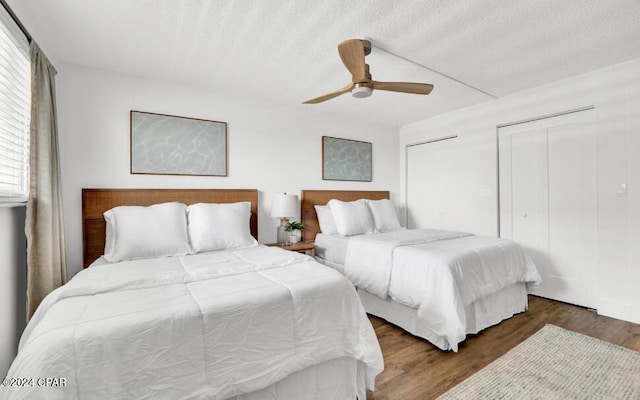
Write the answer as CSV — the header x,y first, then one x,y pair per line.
x,y
212,325
437,272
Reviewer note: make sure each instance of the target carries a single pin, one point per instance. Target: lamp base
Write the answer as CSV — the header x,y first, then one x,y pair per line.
x,y
283,236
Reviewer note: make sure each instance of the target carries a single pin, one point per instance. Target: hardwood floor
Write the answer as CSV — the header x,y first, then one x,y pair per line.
x,y
417,370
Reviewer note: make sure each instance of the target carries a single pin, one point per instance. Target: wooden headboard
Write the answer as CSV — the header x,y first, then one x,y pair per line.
x,y
96,201
311,198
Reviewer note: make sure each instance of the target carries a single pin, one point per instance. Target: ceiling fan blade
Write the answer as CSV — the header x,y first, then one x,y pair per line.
x,y
330,95
404,87
352,54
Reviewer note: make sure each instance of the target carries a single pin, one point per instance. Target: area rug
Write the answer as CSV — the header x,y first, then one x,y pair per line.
x,y
556,363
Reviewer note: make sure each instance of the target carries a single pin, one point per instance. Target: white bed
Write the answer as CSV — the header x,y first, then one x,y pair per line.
x,y
439,285
251,322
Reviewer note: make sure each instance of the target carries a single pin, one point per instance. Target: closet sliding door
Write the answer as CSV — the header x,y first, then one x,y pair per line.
x,y
441,182
548,201
426,175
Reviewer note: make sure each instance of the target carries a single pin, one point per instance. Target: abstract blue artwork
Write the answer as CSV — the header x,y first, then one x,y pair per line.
x,y
170,145
345,160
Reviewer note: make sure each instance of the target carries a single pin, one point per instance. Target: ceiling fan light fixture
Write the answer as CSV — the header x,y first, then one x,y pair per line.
x,y
361,90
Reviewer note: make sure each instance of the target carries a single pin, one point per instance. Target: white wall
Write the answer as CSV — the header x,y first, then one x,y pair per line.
x,y
273,148
615,93
13,285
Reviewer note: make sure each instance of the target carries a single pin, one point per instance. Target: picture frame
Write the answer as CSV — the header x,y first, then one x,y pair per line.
x,y
162,144
346,160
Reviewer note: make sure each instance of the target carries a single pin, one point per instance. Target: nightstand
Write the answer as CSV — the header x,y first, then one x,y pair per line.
x,y
300,247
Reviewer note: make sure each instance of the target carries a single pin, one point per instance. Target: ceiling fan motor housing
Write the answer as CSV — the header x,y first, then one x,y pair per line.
x,y
366,46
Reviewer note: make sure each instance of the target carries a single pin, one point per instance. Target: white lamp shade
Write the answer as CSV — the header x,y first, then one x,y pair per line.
x,y
284,206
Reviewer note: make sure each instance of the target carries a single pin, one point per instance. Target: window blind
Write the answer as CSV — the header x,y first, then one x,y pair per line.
x,y
15,111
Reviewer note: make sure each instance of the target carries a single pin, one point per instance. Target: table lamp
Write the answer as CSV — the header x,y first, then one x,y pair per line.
x,y
284,206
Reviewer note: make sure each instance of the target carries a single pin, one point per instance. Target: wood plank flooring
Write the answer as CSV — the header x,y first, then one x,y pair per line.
x,y
417,370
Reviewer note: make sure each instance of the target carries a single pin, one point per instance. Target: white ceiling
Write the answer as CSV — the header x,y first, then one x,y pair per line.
x,y
286,51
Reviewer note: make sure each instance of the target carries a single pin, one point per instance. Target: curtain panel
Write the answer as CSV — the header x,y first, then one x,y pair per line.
x,y
44,228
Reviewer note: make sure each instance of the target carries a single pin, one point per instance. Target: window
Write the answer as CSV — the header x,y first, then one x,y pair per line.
x,y
15,111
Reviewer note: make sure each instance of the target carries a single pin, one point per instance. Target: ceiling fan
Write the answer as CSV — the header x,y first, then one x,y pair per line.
x,y
352,53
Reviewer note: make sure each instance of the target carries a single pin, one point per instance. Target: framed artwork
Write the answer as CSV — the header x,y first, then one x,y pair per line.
x,y
345,160
171,145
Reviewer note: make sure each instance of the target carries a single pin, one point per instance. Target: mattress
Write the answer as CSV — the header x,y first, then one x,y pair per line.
x,y
213,325
332,248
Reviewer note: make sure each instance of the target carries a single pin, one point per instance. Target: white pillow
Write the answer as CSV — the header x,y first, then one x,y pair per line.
x,y
352,218
135,232
325,219
215,226
384,215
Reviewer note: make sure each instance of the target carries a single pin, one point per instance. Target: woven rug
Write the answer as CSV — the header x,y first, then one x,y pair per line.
x,y
556,363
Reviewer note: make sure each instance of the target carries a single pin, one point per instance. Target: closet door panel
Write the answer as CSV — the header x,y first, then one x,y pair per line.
x,y
435,194
529,192
572,212
422,200
548,201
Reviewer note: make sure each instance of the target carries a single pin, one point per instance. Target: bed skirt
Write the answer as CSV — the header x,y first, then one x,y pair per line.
x,y
342,378
480,314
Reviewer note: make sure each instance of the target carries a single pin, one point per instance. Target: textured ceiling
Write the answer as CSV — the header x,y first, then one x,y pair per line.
x,y
286,51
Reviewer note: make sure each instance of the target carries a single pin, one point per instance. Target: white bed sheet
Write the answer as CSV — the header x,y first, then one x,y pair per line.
x,y
213,325
332,248
370,262
438,273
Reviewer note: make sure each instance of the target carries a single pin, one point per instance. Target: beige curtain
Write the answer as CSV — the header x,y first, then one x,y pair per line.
x,y
44,227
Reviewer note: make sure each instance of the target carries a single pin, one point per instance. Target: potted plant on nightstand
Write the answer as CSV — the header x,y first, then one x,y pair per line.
x,y
292,227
